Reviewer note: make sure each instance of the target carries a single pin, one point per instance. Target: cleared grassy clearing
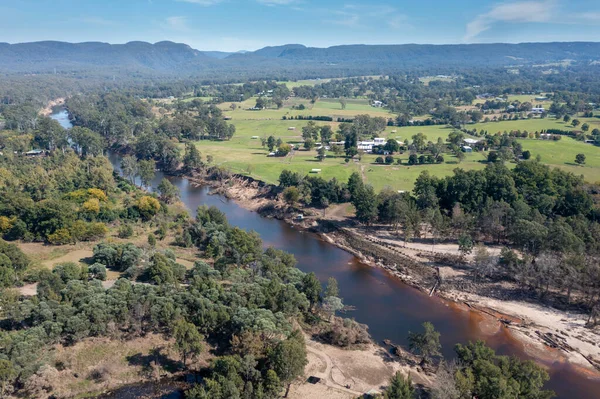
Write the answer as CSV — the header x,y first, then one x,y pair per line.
x,y
562,154
428,79
307,82
531,125
248,157
245,155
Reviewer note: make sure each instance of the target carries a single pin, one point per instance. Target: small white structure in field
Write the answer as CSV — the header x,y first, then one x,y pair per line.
x,y
291,128
271,154
315,171
255,137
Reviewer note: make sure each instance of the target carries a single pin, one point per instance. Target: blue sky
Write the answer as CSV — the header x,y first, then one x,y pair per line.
x,y
231,25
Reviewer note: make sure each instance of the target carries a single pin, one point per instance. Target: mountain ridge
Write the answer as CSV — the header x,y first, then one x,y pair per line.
x,y
167,57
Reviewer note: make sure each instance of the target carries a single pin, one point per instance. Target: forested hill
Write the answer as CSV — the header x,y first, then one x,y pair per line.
x,y
44,57
168,58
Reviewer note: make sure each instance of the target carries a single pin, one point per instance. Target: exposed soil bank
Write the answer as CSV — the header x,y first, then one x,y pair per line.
x,y
49,108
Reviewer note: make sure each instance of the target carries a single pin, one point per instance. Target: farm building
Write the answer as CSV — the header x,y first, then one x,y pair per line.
x,y
466,148
538,110
368,145
471,141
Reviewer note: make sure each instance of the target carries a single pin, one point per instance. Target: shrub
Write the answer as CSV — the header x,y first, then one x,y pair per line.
x,y
379,160
125,231
389,159
97,271
60,237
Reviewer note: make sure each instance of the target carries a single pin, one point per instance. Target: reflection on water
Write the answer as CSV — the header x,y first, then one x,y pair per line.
x,y
389,307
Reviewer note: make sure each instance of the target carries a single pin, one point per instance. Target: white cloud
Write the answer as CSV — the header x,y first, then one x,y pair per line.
x,y
515,12
355,15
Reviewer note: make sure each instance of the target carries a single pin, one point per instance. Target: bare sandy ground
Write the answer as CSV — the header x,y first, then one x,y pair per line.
x,y
47,110
569,326
348,373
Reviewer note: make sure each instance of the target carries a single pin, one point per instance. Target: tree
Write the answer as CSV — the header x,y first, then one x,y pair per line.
x,y
288,358
309,144
188,341
585,127
337,150
483,374
413,159
146,171
310,131
400,388
272,384
129,167
392,146
151,240
192,160
566,118
311,286
332,287
321,153
271,143
7,376
580,159
284,149
343,102
97,271
465,244
427,343
326,133
419,141
168,192
575,122
365,202
291,195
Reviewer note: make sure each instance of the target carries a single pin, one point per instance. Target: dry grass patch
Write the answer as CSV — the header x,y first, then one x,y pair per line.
x,y
99,364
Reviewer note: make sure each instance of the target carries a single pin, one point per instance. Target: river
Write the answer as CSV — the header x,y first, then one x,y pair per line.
x,y
388,306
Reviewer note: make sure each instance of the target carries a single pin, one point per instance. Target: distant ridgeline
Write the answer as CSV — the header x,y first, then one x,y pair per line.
x,y
168,58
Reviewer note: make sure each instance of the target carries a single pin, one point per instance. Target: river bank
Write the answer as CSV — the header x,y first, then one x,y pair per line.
x,y
546,334
52,105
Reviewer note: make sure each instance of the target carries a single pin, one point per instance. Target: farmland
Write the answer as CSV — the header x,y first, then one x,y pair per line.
x,y
245,153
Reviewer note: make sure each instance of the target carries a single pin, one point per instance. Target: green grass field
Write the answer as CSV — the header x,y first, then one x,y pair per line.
x,y
245,155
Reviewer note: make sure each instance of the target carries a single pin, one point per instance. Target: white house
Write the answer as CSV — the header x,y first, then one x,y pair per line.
x,y
377,104
367,146
538,110
471,141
